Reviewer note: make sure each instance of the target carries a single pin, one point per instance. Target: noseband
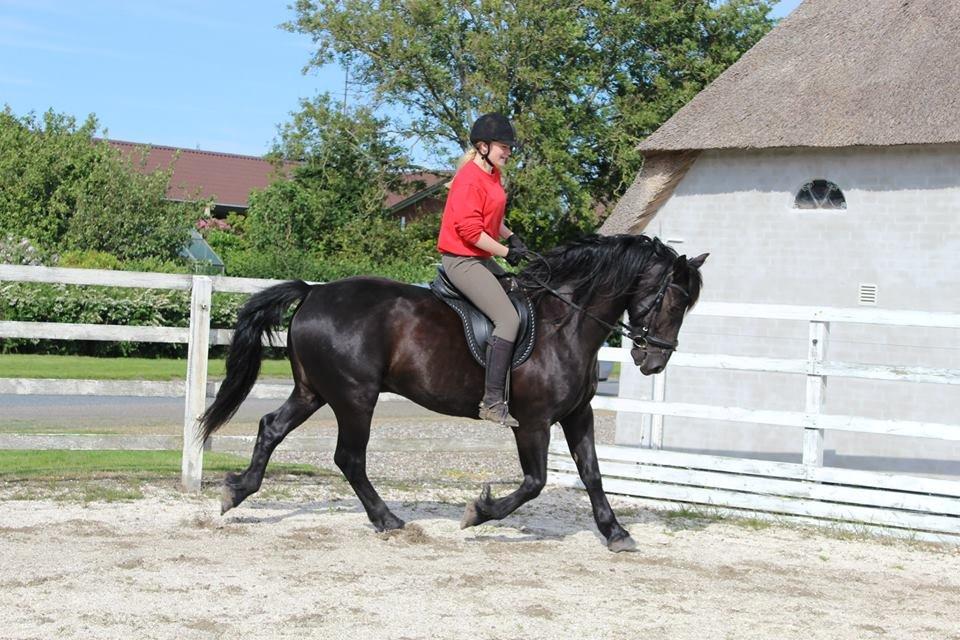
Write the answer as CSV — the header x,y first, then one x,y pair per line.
x,y
643,338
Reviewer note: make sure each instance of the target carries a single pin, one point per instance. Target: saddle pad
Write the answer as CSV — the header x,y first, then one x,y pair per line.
x,y
478,328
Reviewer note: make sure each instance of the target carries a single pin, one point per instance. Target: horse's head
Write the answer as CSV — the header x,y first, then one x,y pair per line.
x,y
657,309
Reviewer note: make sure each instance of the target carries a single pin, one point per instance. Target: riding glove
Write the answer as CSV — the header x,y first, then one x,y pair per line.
x,y
515,242
514,256
517,250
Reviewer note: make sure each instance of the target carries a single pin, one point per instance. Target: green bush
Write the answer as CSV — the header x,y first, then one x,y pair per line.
x,y
89,259
20,251
362,246
32,302
65,189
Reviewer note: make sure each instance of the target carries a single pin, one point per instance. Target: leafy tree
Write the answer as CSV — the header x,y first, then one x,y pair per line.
x,y
329,219
65,189
347,166
583,81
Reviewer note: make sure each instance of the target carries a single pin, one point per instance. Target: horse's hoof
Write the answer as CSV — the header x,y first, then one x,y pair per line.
x,y
226,499
469,516
625,543
472,515
390,523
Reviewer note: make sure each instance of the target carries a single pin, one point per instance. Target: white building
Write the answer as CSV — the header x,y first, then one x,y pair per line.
x,y
822,169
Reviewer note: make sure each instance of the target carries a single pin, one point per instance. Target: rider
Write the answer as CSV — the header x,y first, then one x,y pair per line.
x,y
470,233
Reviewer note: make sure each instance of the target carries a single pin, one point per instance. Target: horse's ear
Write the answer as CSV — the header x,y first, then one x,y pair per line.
x,y
697,262
680,265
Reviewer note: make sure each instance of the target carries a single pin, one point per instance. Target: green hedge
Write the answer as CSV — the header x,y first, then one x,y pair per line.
x,y
32,302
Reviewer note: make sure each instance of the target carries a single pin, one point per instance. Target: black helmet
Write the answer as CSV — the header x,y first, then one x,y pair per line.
x,y
493,127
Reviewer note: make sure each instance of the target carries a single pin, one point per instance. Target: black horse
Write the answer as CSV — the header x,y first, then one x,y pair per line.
x,y
353,338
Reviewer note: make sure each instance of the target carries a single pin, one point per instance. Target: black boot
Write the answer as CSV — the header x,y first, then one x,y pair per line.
x,y
493,407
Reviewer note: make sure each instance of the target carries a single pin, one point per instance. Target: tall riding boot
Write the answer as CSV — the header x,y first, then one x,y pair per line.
x,y
494,404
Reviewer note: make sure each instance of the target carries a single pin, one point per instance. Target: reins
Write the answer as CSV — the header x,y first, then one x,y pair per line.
x,y
640,339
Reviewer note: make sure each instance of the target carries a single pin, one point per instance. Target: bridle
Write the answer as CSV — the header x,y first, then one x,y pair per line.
x,y
641,339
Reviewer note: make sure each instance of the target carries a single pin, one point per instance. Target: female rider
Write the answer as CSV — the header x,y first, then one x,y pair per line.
x,y
470,233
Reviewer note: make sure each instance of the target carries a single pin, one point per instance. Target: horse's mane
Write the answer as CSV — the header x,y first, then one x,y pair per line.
x,y
600,266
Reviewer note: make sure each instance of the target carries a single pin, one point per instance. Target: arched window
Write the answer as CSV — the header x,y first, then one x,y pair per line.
x,y
820,194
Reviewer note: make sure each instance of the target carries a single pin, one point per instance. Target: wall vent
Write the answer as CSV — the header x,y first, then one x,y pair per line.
x,y
867,293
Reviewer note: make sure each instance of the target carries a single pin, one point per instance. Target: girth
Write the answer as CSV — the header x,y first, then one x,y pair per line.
x,y
478,328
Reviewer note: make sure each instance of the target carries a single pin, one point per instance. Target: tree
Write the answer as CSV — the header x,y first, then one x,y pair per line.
x,y
65,189
583,81
347,164
329,219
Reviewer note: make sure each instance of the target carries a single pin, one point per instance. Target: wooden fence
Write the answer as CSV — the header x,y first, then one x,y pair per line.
x,y
899,503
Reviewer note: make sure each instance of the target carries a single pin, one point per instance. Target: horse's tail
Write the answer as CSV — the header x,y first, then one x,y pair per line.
x,y
261,314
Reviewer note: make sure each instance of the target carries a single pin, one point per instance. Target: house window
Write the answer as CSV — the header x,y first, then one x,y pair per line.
x,y
820,194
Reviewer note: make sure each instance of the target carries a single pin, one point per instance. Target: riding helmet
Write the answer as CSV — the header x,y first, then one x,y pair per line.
x,y
493,127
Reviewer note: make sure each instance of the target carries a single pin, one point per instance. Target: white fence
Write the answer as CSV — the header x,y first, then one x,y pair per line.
x,y
198,336
893,503
926,507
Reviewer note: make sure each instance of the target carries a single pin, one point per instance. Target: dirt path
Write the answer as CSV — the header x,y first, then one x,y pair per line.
x,y
300,560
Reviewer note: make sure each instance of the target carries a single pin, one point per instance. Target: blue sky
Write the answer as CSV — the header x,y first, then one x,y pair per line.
x,y
209,74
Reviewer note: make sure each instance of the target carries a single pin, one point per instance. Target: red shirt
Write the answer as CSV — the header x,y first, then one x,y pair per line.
x,y
475,204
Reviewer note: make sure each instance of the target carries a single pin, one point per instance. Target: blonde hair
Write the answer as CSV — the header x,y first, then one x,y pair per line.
x,y
467,156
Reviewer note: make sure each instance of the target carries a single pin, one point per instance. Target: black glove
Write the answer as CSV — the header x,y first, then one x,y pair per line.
x,y
514,255
514,242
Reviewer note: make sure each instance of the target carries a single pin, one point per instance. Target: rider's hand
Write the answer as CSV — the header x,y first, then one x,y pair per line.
x,y
515,242
514,255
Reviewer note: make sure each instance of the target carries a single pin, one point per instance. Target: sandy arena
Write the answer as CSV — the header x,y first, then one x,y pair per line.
x,y
300,560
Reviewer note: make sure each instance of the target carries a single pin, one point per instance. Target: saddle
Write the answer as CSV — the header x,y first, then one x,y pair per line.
x,y
478,328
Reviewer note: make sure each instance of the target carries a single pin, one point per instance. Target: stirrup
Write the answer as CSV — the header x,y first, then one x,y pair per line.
x,y
498,412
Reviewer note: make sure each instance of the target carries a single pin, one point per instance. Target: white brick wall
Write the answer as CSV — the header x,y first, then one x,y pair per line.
x,y
900,231
901,228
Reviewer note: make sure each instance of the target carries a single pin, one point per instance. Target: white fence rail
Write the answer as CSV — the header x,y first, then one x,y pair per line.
x,y
198,336
892,503
909,505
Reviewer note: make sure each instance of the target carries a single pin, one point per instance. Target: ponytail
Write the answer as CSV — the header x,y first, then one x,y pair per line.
x,y
467,156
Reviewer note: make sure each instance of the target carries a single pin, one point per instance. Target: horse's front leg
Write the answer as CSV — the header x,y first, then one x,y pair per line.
x,y
578,430
532,446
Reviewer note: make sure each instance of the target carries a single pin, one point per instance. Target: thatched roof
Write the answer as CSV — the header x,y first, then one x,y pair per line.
x,y
661,174
834,73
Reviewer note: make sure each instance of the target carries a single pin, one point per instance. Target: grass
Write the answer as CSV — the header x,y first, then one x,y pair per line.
x,y
695,517
59,465
115,476
90,368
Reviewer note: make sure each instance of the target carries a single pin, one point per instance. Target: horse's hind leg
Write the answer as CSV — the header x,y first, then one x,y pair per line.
x,y
274,427
578,430
532,447
353,421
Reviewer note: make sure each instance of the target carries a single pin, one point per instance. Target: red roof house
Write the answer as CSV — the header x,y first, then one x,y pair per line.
x,y
227,179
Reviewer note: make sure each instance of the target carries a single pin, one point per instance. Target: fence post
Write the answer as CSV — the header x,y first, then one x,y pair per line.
x,y
196,395
632,429
816,391
656,420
